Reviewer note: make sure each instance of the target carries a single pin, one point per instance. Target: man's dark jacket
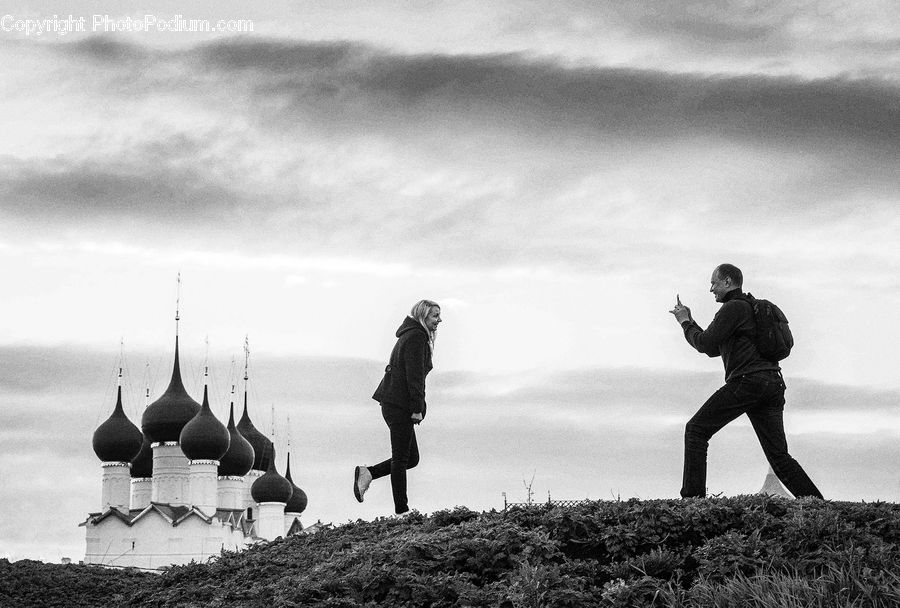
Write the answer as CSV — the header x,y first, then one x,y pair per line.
x,y
403,384
730,335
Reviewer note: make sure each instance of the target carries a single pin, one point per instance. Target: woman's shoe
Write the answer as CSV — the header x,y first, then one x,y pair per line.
x,y
361,480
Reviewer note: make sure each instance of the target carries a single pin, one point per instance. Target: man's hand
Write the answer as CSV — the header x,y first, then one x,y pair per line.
x,y
682,313
417,417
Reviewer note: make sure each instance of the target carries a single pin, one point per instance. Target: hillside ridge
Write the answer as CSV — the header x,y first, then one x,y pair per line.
x,y
669,552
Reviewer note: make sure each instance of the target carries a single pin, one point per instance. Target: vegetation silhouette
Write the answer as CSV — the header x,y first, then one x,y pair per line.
x,y
747,550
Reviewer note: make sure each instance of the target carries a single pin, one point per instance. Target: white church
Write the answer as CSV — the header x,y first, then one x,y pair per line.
x,y
185,487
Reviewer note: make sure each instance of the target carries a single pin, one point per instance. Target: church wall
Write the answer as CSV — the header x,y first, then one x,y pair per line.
x,y
270,522
116,486
153,542
204,485
230,492
141,492
171,474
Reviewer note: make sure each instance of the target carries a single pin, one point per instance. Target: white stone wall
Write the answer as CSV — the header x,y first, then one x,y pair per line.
x,y
270,523
204,485
153,542
141,492
171,474
231,492
116,486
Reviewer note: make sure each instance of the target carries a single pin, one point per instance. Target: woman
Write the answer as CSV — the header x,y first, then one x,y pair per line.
x,y
402,398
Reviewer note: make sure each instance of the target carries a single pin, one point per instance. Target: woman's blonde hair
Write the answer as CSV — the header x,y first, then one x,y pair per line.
x,y
419,312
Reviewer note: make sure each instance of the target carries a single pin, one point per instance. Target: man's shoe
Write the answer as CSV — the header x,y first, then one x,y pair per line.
x,y
361,480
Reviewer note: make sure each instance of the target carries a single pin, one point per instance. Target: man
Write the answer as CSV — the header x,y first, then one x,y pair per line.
x,y
753,386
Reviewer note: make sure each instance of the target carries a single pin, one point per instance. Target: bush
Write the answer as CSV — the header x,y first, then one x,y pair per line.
x,y
742,551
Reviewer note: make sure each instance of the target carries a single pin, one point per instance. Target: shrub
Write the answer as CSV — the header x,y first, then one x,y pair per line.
x,y
741,551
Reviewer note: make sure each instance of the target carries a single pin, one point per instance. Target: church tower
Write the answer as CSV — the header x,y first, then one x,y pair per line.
x,y
116,442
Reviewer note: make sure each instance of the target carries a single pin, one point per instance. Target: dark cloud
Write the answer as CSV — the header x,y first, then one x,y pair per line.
x,y
771,33
502,137
109,50
624,391
612,393
713,26
541,95
810,395
344,80
278,57
112,191
34,370
768,35
345,382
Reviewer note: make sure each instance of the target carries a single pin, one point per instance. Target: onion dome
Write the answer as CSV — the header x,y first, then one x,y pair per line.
x,y
142,465
164,418
298,501
238,460
204,437
117,439
263,449
271,487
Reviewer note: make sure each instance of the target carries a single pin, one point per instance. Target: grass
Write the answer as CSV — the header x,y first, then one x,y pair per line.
x,y
741,551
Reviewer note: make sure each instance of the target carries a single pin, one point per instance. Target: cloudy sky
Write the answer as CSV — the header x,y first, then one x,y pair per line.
x,y
551,176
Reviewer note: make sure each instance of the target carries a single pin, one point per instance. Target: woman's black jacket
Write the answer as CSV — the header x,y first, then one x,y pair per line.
x,y
403,384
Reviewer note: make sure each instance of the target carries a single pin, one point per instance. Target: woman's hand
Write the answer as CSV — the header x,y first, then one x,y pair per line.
x,y
417,417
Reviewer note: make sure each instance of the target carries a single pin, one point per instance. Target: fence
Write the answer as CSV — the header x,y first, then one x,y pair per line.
x,y
546,504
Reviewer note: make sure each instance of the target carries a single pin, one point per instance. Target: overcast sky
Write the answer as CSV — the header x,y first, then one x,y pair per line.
x,y
552,177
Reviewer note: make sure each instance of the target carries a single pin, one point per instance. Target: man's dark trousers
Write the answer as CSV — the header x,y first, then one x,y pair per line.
x,y
761,396
404,454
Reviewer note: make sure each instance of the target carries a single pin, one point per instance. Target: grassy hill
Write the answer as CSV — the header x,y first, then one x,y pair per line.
x,y
743,551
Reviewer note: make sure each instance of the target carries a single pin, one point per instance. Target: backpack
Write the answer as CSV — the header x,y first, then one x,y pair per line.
x,y
772,336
